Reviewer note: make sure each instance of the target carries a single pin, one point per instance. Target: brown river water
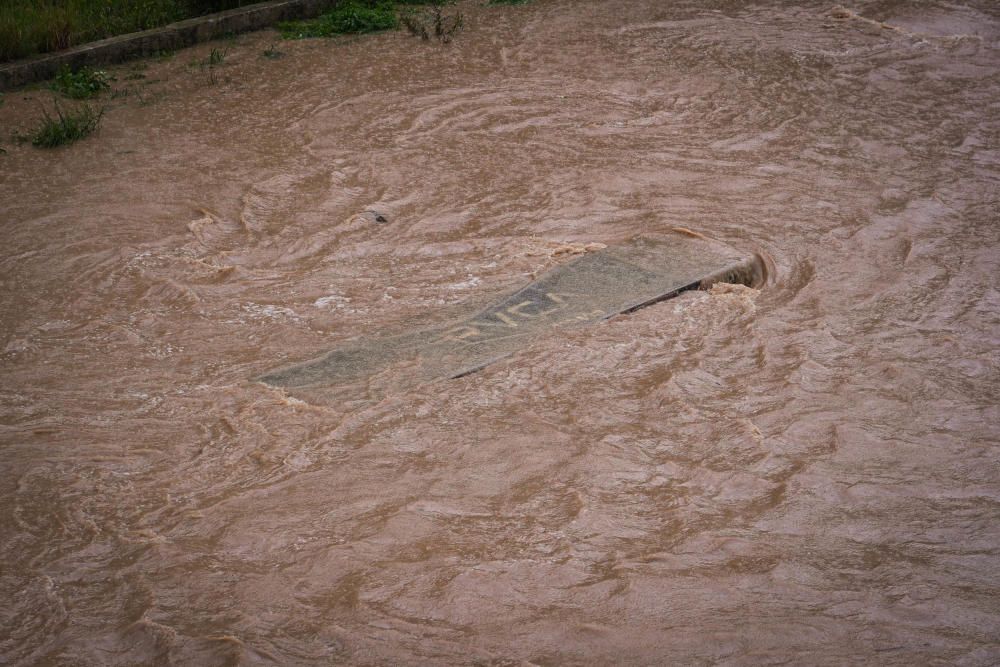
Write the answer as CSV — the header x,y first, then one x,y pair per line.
x,y
805,473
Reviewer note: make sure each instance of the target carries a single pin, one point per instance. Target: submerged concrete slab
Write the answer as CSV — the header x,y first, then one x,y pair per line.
x,y
588,289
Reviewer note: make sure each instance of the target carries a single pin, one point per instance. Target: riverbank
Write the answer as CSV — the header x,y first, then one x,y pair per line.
x,y
166,38
29,28
82,97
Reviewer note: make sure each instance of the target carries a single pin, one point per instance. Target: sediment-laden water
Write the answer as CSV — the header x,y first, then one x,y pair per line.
x,y
805,473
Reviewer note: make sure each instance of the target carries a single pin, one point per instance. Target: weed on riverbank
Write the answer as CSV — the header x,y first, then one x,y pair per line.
x,y
349,17
81,84
433,22
363,16
216,57
66,126
211,62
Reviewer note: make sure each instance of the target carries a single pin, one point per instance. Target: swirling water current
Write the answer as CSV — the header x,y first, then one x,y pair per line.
x,y
803,473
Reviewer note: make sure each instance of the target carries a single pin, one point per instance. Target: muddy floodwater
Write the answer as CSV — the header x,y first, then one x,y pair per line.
x,y
803,473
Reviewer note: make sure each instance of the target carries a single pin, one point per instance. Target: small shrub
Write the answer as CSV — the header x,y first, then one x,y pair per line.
x,y
349,17
66,127
433,22
415,26
81,84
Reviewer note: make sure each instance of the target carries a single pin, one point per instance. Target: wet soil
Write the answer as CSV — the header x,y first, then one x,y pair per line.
x,y
805,473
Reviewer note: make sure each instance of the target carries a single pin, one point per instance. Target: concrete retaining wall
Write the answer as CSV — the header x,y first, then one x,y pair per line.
x,y
167,38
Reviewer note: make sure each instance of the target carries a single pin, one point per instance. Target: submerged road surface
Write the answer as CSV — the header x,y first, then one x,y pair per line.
x,y
805,473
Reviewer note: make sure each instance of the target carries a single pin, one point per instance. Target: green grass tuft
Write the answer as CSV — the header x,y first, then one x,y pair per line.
x,y
81,84
217,57
66,127
349,17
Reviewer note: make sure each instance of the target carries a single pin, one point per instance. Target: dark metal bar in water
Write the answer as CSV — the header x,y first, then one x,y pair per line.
x,y
593,287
